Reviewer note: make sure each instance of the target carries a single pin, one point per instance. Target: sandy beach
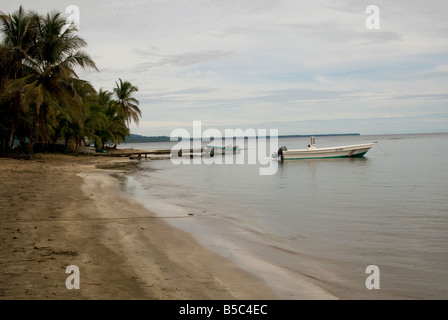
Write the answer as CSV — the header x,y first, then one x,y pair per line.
x,y
269,151
59,210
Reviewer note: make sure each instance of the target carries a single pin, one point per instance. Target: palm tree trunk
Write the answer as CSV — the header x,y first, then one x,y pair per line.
x,y
31,138
11,136
78,138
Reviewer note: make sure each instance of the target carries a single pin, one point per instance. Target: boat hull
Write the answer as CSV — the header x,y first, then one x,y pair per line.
x,y
324,153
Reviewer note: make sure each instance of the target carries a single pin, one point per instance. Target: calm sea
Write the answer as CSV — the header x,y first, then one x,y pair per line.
x,y
322,221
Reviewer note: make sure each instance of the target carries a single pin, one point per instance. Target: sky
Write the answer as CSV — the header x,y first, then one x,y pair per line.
x,y
302,67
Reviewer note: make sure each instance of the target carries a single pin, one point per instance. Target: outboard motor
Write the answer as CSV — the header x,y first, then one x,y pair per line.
x,y
279,153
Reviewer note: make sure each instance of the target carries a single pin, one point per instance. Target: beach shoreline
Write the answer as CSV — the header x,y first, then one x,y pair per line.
x,y
59,210
222,229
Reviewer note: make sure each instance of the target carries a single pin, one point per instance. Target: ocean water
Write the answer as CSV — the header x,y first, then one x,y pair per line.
x,y
319,221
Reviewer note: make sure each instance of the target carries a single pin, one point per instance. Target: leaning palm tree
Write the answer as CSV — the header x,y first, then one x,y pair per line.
x,y
128,105
49,80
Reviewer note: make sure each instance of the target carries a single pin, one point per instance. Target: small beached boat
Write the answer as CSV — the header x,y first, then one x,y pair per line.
x,y
313,152
221,149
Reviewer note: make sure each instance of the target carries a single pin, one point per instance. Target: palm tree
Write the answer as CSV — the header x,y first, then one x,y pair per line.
x,y
115,125
19,34
128,105
49,80
41,96
104,97
105,122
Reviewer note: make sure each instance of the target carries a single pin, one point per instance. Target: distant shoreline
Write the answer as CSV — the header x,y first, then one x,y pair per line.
x,y
135,138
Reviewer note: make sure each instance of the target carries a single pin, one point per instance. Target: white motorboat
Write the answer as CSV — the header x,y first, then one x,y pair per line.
x,y
313,152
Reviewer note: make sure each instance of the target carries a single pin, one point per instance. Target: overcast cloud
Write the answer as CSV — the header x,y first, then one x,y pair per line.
x,y
303,67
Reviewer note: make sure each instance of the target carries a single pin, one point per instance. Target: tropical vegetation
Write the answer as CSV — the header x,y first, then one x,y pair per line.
x,y
42,99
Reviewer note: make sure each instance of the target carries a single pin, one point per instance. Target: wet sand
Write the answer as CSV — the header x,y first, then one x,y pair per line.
x,y
61,210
